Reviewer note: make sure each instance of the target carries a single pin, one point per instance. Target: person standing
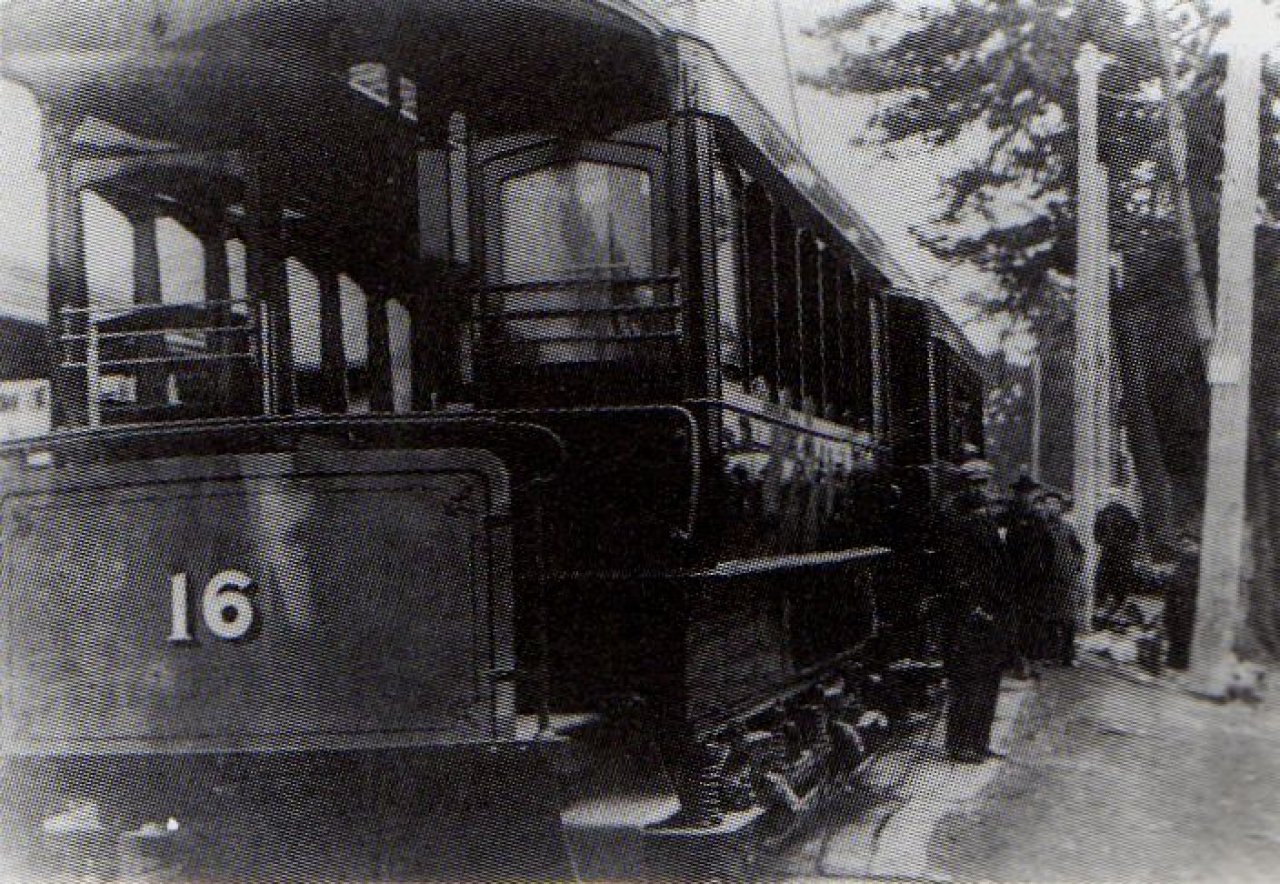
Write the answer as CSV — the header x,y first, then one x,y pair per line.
x,y
1057,613
1116,530
975,621
1030,550
1180,601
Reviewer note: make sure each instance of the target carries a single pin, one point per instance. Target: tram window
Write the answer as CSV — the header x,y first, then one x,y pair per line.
x,y
577,242
788,306
181,263
578,220
237,271
966,411
811,324
855,345
728,255
943,395
759,278
858,344
864,350
837,402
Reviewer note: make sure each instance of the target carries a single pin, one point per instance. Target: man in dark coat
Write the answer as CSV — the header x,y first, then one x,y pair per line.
x,y
1030,549
1057,609
1180,601
1116,531
975,627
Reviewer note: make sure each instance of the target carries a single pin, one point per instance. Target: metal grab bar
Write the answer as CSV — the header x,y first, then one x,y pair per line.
x,y
577,282
582,312
127,309
176,330
191,336
161,360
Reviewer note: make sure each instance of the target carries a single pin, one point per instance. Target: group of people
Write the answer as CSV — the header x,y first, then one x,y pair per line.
x,y
1014,592
1013,581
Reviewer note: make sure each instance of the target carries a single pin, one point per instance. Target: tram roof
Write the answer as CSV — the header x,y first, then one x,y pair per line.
x,y
228,73
151,76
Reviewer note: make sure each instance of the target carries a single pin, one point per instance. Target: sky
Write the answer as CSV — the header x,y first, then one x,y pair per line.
x,y
891,193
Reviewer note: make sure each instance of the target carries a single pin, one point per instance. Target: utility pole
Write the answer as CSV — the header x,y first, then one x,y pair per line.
x,y
1093,368
1219,611
1037,412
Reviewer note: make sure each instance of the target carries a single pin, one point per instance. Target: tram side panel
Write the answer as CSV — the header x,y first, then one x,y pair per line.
x,y
264,666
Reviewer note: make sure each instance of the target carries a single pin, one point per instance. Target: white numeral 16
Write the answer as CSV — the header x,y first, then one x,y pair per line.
x,y
226,607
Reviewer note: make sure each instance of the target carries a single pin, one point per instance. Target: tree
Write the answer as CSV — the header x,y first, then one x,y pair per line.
x,y
995,78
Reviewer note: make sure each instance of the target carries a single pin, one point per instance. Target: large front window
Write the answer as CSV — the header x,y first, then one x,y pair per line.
x,y
576,221
574,280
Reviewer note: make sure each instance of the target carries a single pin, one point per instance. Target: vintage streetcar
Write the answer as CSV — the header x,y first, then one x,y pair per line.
x,y
540,475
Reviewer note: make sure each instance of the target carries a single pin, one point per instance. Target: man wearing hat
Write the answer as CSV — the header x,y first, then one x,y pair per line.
x,y
975,622
1030,549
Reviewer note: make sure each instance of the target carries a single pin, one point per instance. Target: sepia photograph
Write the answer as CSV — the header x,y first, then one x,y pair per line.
x,y
639,441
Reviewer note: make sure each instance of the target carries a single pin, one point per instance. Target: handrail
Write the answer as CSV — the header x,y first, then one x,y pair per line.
x,y
84,438
199,332
577,282
175,330
638,338
123,309
161,360
573,313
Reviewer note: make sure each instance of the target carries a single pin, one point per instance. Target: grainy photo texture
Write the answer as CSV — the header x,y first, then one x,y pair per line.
x,y
639,440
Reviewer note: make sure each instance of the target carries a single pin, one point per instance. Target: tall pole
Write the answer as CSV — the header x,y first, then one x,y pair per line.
x,y
1037,412
1092,318
1219,610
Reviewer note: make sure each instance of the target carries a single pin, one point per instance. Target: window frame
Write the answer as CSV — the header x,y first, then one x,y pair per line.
x,y
527,159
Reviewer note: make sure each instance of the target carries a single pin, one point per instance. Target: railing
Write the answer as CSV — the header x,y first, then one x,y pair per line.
x,y
577,320
129,351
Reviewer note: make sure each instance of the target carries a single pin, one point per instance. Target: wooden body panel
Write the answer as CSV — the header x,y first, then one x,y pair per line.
x,y
704,646
374,580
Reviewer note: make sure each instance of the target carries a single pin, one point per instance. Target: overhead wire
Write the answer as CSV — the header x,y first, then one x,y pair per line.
x,y
789,70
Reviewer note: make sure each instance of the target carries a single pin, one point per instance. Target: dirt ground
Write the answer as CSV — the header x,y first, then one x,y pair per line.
x,y
1110,779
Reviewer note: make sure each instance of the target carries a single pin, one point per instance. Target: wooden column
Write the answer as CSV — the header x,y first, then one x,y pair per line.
x,y
333,358
381,394
217,290
268,286
146,255
148,290
68,282
217,272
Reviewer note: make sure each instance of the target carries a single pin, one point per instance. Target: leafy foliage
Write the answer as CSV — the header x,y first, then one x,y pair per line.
x,y
996,78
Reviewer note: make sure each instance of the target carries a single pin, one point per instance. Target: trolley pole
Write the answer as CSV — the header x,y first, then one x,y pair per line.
x,y
1219,610
1092,437
1176,120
